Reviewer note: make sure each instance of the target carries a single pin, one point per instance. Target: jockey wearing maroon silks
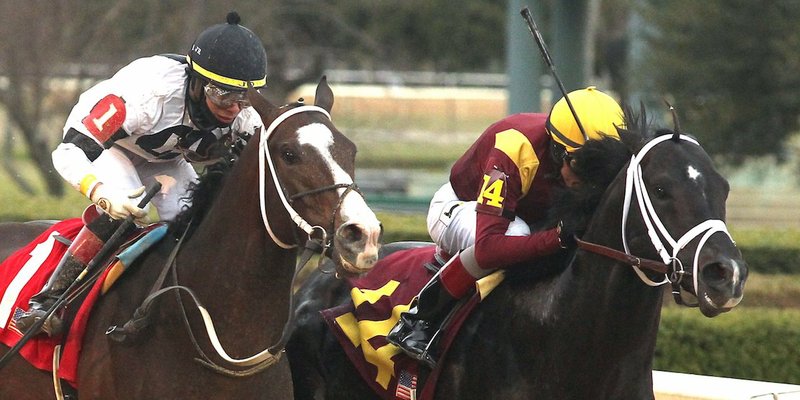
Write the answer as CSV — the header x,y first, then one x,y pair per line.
x,y
498,189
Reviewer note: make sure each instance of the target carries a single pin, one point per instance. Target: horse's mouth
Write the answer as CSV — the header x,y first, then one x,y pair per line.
x,y
363,264
711,308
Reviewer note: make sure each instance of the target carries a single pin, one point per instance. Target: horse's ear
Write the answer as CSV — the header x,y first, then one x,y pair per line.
x,y
677,131
324,96
264,108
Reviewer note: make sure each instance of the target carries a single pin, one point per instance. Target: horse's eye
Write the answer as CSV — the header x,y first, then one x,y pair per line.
x,y
289,156
660,193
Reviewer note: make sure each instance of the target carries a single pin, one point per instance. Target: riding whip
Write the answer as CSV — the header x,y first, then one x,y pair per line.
x,y
526,14
113,242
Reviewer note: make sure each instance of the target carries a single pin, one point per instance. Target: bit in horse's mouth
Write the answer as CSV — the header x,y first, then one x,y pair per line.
x,y
351,269
709,301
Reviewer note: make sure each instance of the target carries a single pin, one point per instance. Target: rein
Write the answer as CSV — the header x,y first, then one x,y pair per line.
x,y
608,252
670,266
268,357
256,363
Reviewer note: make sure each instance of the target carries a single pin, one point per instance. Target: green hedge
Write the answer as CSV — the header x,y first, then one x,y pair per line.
x,y
746,343
770,251
772,260
399,227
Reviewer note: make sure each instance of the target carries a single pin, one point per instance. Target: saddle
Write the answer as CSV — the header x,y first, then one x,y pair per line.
x,y
26,271
378,298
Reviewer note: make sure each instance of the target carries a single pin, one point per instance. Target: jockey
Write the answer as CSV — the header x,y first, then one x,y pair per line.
x,y
150,122
500,187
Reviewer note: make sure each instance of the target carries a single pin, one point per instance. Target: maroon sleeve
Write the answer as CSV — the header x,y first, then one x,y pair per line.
x,y
496,206
493,249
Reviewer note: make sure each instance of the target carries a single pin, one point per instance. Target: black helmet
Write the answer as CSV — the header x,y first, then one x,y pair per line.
x,y
229,55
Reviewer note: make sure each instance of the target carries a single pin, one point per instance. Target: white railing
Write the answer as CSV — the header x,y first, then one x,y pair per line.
x,y
676,386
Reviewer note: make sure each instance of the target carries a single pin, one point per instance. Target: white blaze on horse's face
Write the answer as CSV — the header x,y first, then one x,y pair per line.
x,y
694,174
321,138
354,209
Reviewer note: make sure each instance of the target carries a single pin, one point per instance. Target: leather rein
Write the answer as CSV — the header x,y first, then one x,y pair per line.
x,y
608,252
314,245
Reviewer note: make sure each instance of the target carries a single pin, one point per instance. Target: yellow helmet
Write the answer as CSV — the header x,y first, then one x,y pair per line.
x,y
598,112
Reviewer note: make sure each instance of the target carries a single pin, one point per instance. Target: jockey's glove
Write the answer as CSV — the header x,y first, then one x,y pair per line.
x,y
567,235
118,204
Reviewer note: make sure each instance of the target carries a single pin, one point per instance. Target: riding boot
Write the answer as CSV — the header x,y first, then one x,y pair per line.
x,y
418,327
97,229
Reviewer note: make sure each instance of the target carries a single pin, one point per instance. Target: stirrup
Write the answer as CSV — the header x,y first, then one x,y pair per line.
x,y
53,326
425,356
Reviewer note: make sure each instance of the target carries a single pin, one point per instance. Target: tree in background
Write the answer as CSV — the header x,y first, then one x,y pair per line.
x,y
437,35
731,70
89,40
730,67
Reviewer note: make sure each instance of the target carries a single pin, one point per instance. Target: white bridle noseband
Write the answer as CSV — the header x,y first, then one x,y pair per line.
x,y
634,186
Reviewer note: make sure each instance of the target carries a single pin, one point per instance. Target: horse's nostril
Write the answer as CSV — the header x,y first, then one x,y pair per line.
x,y
716,272
351,233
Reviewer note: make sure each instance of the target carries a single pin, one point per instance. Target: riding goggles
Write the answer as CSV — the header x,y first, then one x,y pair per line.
x,y
224,98
559,153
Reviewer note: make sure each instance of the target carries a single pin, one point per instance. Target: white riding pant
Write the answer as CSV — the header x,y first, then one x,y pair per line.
x,y
126,171
452,222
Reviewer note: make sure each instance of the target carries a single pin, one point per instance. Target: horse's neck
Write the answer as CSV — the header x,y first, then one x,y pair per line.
x,y
606,299
238,272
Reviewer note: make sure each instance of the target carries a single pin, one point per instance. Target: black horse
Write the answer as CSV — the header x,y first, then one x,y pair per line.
x,y
582,324
292,181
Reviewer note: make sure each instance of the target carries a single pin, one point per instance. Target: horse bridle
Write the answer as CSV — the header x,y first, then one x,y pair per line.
x,y
670,265
269,356
265,158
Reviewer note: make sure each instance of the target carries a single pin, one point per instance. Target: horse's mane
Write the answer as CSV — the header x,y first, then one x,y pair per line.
x,y
597,163
201,194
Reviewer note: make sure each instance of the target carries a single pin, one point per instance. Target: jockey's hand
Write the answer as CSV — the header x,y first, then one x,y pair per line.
x,y
118,204
567,235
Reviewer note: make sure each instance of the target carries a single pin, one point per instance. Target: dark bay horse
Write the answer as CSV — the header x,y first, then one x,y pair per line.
x,y
577,325
239,259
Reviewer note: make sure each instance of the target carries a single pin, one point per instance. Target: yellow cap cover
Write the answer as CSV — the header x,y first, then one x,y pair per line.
x,y
598,112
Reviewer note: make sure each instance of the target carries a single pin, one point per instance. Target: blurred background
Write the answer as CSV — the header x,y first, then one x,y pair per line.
x,y
417,81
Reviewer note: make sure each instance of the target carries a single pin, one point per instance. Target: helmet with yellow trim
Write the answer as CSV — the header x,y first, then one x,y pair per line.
x,y
599,114
229,55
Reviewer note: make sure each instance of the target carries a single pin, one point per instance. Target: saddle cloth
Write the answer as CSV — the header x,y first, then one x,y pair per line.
x,y
24,273
378,299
